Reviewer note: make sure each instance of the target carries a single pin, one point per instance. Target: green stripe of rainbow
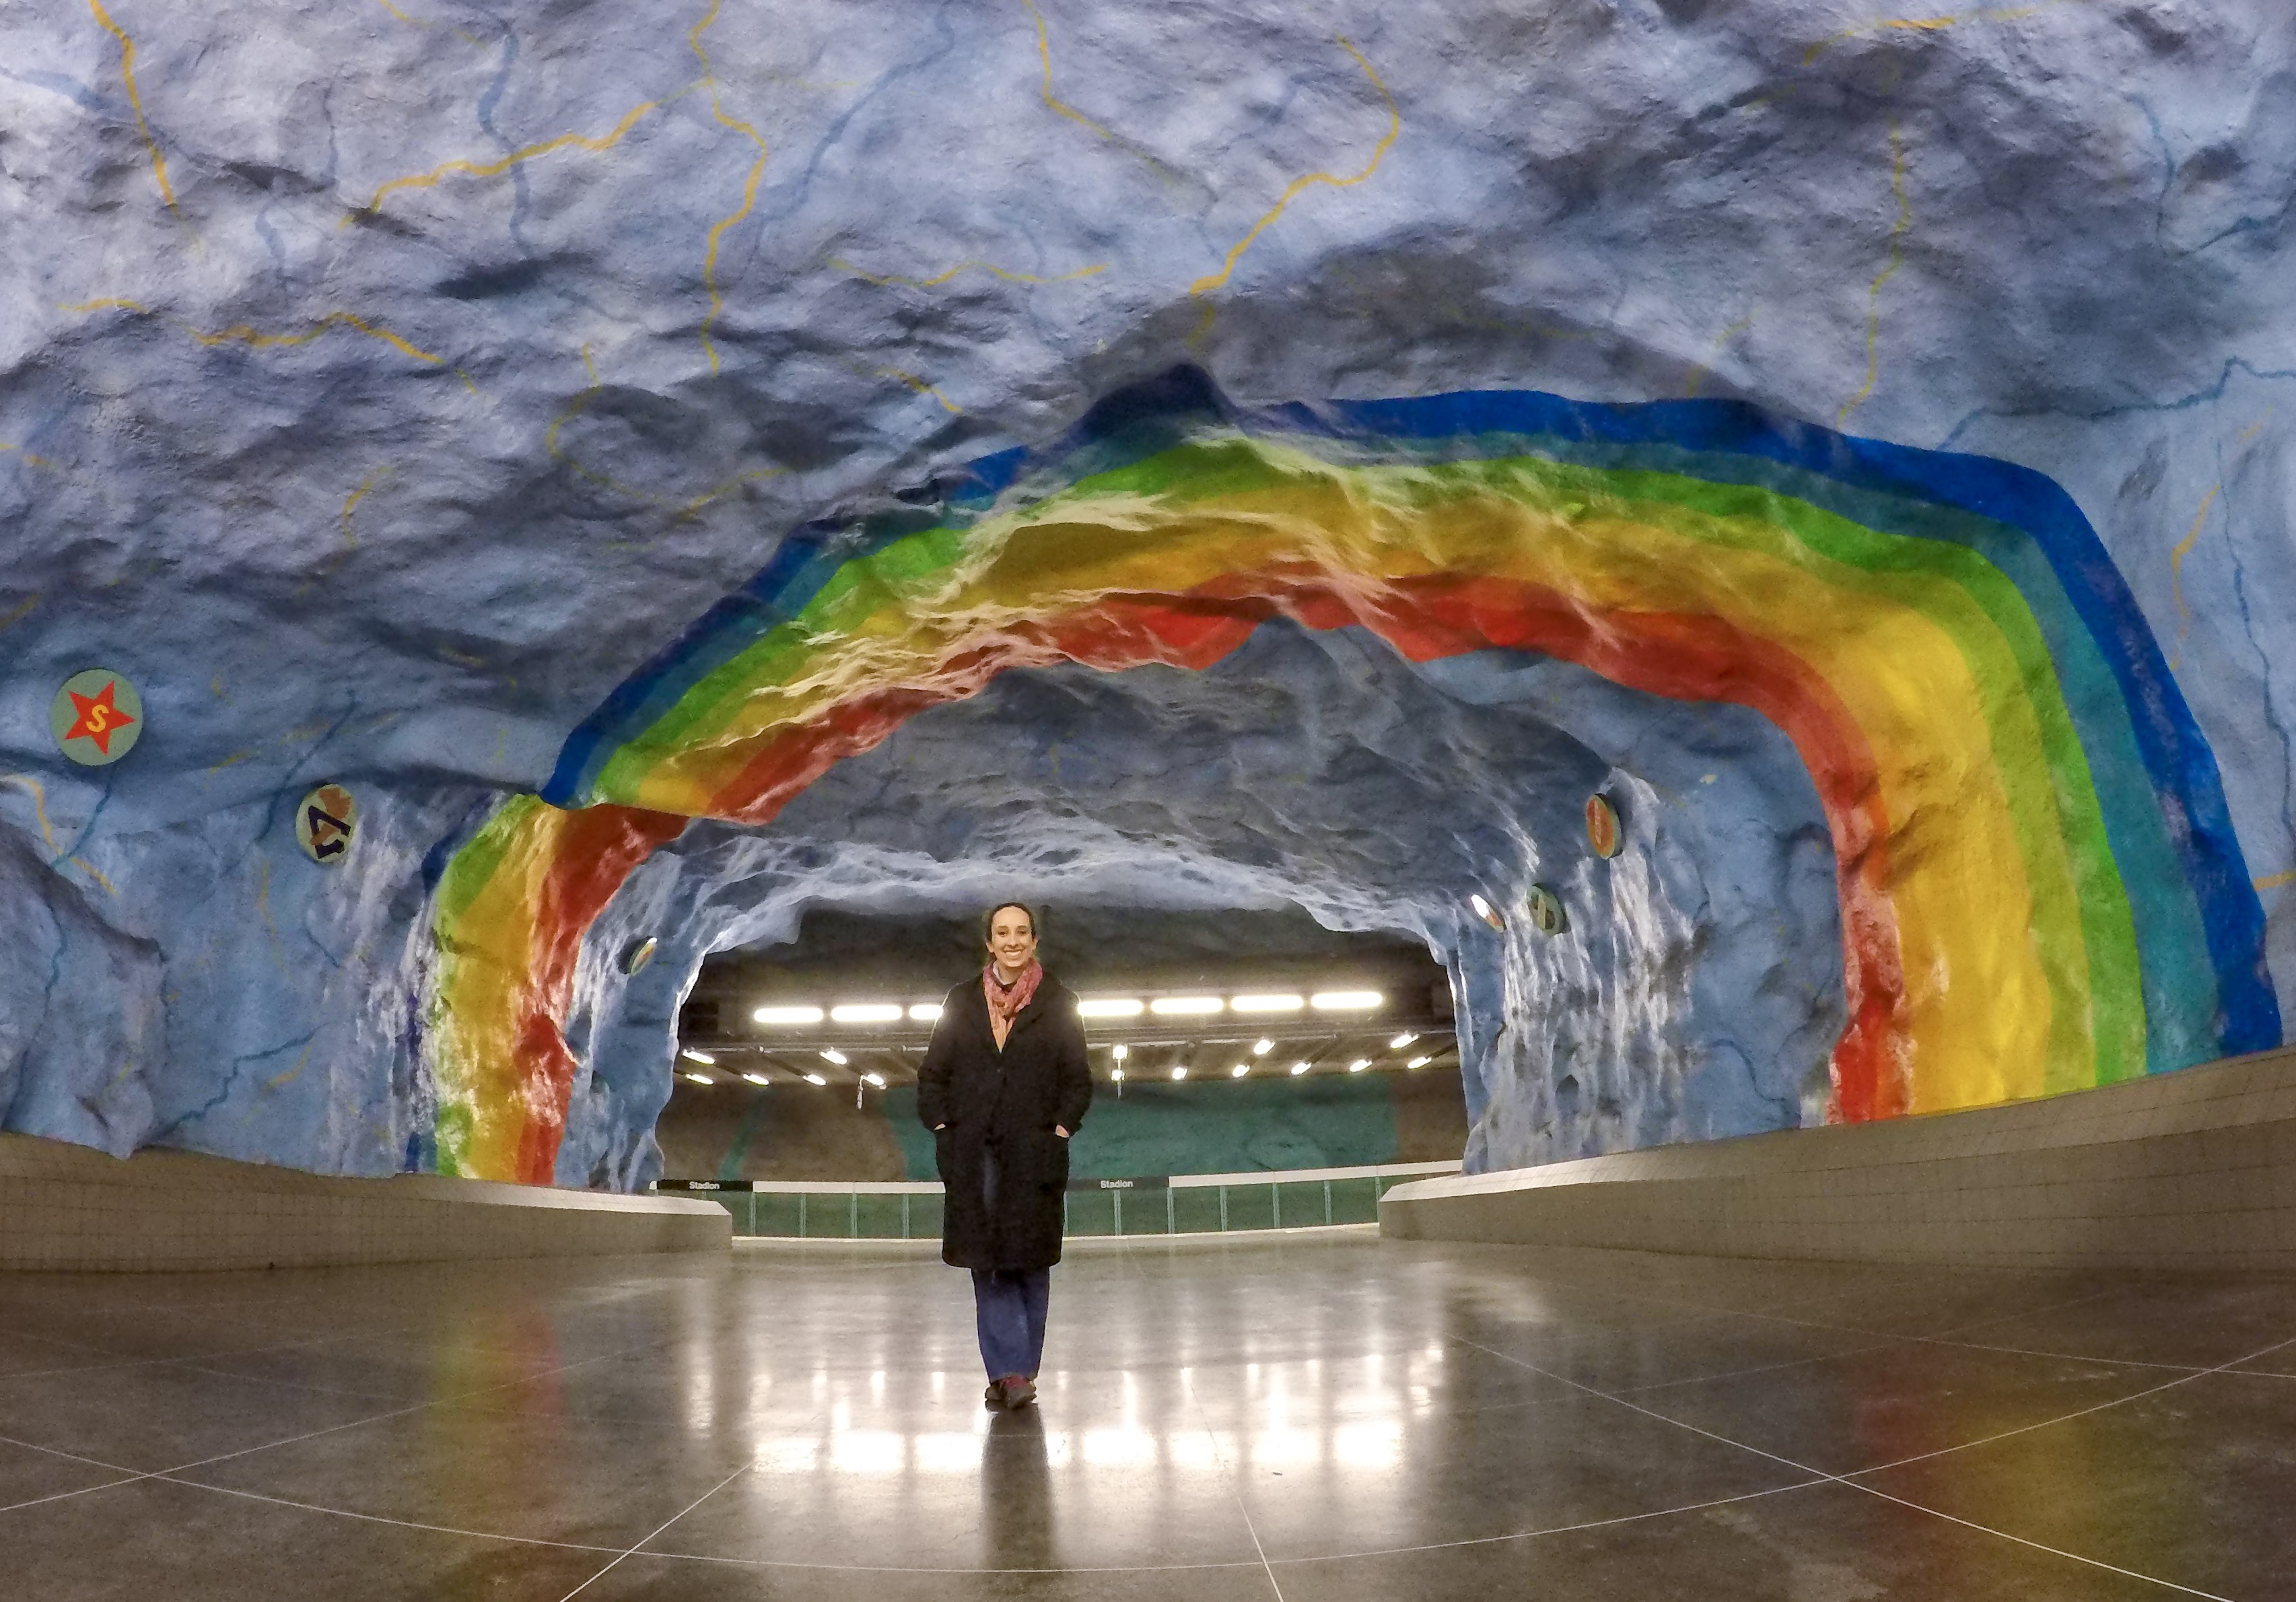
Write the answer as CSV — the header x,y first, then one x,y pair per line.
x,y
1995,770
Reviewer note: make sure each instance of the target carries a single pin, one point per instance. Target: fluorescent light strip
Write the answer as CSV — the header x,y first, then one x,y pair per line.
x,y
1109,1006
757,1079
814,1079
865,1012
1185,1006
925,1011
832,1055
701,1079
703,1057
787,1015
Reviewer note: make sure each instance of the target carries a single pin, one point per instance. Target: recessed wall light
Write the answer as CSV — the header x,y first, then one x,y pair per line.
x,y
788,1014
1117,1074
1261,1048
814,1079
1401,1040
1298,1069
1358,1065
832,1054
703,1057
757,1079
1238,1071
699,1079
1418,1062
1119,1051
1180,1074
878,1079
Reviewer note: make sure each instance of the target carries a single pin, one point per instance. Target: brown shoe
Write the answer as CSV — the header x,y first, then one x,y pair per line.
x,y
993,1397
1020,1391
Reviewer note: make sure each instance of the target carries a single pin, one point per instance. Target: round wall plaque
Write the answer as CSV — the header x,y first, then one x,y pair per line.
x,y
97,716
1546,911
1602,831
325,822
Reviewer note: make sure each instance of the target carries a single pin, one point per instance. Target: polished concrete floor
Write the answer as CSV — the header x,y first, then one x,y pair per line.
x,y
1304,1415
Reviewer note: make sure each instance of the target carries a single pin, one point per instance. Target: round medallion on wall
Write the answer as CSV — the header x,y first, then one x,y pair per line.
x,y
1546,910
1602,831
638,953
325,824
97,716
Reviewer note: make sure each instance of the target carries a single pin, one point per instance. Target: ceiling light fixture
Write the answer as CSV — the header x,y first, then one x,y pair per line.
x,y
757,1079
1119,1051
703,1057
1109,1006
1238,1071
1346,1001
925,1011
830,1054
865,1012
878,1079
1298,1069
1418,1062
787,1015
1180,1074
1268,1004
1186,1007
814,1079
700,1079
1401,1040
1358,1065
1117,1074
1261,1048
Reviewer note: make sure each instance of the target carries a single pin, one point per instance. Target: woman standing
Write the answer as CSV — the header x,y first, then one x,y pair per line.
x,y
1004,1084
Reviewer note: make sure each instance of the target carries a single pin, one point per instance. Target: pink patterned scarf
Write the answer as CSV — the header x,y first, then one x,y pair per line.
x,y
1006,1001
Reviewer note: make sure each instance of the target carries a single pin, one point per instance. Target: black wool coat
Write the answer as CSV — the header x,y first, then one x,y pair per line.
x,y
1005,1102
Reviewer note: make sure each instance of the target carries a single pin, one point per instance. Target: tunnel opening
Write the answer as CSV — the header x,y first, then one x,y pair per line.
x,y
1220,1042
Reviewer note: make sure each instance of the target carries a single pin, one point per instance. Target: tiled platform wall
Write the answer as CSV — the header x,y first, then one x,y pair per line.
x,y
64,1206
2192,1170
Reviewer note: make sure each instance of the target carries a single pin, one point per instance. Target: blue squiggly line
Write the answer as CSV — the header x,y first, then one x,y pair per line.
x,y
239,1066
2198,398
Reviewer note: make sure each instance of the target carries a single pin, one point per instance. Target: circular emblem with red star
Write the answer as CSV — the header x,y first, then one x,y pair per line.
x,y
97,717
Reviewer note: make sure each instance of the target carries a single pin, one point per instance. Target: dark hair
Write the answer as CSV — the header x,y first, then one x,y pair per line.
x,y
988,918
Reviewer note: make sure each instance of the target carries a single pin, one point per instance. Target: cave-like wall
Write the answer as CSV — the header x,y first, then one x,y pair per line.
x,y
695,413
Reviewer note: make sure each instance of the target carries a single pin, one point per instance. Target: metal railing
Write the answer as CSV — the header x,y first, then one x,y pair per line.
x,y
1155,1204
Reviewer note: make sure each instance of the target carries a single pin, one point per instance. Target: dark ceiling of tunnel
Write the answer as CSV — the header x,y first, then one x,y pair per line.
x,y
1086,945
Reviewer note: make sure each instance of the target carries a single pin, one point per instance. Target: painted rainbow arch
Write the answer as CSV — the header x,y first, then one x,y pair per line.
x,y
2041,887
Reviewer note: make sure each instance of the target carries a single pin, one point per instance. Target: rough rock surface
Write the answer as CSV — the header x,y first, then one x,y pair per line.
x,y
379,384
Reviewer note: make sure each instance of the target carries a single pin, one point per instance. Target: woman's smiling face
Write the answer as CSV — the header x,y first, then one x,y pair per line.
x,y
1011,938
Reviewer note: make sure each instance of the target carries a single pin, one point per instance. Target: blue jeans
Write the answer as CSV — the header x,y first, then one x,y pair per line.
x,y
1008,1305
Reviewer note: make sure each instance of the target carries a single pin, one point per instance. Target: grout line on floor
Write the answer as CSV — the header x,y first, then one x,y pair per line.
x,y
665,1525
1234,1476
1851,1480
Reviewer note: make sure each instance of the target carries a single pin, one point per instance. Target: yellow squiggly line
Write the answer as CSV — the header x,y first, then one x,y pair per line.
x,y
921,386
1698,374
35,461
1889,271
2274,880
969,264
1053,101
241,334
30,785
749,186
20,612
1992,14
2183,548
685,508
491,169
1291,190
135,98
